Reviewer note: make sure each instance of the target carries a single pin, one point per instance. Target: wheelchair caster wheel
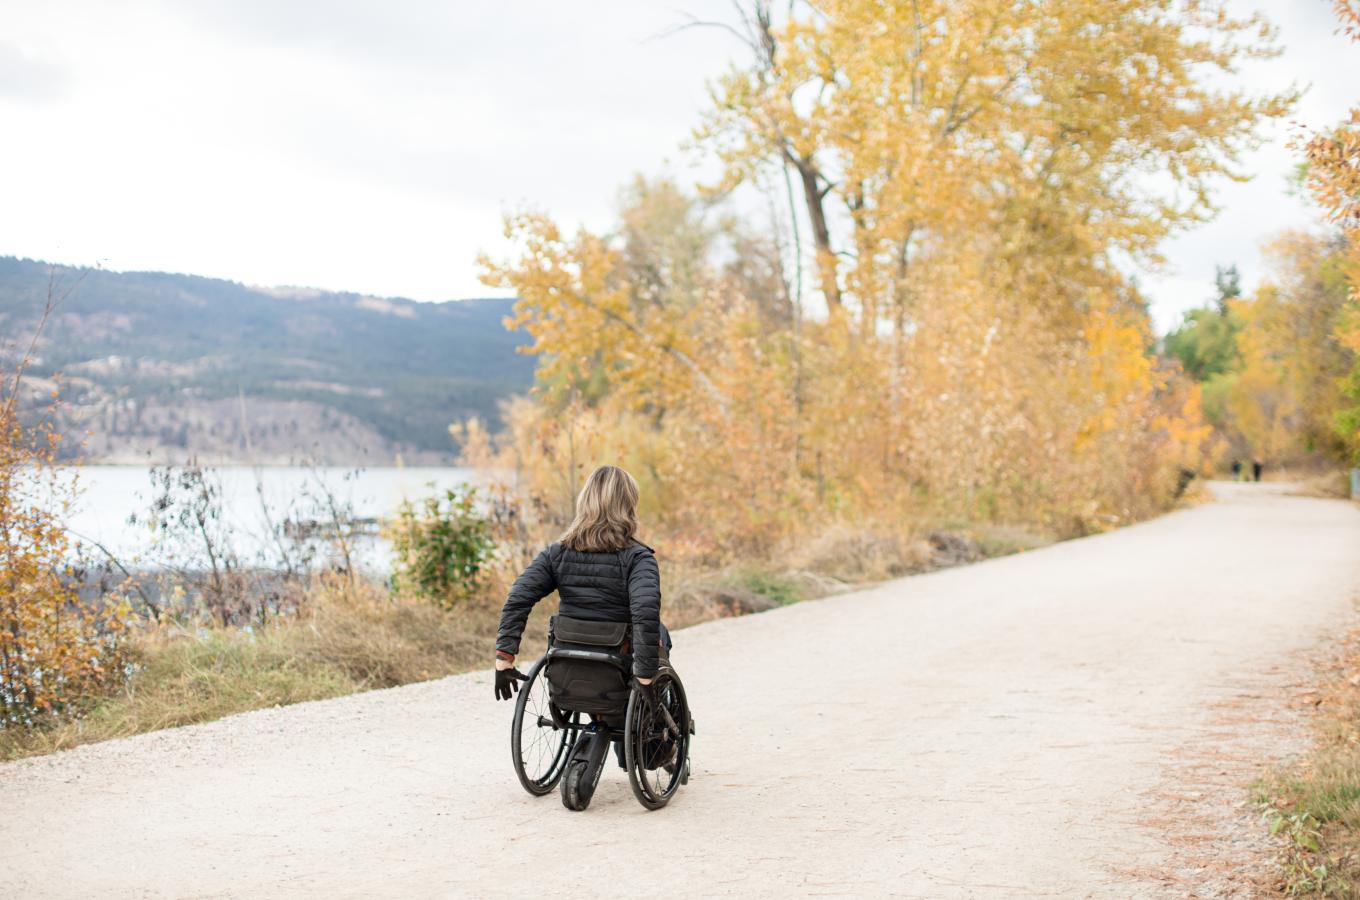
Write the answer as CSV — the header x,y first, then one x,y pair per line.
x,y
583,769
572,781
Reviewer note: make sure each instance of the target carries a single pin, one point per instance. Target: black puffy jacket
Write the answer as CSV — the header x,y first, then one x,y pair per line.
x,y
599,587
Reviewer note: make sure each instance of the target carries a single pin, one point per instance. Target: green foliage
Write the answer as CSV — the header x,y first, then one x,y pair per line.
x,y
1206,343
1228,283
1276,370
1309,868
1214,396
1346,420
441,547
779,588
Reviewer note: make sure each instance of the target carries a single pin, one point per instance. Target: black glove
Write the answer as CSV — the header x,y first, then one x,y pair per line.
x,y
505,682
648,691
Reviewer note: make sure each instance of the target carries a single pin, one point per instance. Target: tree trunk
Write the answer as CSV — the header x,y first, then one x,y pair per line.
x,y
821,234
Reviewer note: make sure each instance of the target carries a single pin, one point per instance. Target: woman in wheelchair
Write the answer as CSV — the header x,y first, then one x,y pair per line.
x,y
608,627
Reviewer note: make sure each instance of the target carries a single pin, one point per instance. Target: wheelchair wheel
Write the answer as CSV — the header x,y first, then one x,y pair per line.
x,y
538,749
573,794
656,741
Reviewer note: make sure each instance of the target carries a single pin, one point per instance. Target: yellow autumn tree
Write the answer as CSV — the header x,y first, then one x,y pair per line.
x,y
652,356
922,133
967,173
909,119
1334,179
1283,398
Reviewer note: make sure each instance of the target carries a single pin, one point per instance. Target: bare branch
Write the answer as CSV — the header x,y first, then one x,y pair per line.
x,y
695,22
55,297
132,579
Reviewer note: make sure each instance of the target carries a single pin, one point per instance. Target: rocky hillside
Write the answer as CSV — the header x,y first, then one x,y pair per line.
x,y
160,366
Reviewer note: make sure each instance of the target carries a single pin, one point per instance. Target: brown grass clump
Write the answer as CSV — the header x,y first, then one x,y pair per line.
x,y
855,555
348,639
356,636
1314,806
1334,484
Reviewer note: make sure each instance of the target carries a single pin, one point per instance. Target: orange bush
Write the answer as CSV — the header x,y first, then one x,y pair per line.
x,y
55,650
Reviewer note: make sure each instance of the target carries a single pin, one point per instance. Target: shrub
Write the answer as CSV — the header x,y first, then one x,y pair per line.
x,y
55,650
441,547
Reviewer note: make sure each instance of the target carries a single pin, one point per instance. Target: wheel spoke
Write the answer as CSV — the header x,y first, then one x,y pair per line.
x,y
654,728
541,747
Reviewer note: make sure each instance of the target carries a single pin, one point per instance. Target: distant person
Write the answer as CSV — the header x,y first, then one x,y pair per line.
x,y
1237,470
1256,466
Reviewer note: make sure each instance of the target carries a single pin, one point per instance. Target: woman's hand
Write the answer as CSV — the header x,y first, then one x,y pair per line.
x,y
506,677
646,688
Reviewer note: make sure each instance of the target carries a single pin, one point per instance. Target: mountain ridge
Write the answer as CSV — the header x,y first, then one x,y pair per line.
x,y
158,366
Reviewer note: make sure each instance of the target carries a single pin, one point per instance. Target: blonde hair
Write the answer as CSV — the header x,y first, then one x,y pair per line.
x,y
606,513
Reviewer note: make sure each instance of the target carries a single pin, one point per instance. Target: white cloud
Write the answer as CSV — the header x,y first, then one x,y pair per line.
x,y
358,145
372,147
26,74
1328,68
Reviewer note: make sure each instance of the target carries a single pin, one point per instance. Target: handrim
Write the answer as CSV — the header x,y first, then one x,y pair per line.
x,y
641,722
550,745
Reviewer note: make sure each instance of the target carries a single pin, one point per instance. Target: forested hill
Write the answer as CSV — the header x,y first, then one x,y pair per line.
x,y
164,365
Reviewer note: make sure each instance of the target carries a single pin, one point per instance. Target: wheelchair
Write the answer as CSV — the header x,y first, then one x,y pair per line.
x,y
587,672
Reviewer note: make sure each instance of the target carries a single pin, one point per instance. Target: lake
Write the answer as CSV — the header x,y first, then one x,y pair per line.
x,y
109,494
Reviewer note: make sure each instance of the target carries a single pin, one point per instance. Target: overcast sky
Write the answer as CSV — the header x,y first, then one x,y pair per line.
x,y
373,146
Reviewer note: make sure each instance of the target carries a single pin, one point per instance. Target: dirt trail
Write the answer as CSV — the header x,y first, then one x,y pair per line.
x,y
1015,728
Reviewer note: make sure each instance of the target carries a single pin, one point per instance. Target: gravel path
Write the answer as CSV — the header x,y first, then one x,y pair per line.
x,y
1013,728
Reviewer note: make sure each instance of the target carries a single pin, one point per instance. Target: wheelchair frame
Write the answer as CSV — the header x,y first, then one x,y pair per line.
x,y
578,758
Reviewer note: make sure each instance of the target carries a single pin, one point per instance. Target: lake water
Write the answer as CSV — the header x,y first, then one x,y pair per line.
x,y
109,494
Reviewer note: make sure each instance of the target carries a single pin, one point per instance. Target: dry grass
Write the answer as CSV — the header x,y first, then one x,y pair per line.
x,y
1314,805
1314,478
855,555
360,638
696,597
1003,540
1332,485
349,641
